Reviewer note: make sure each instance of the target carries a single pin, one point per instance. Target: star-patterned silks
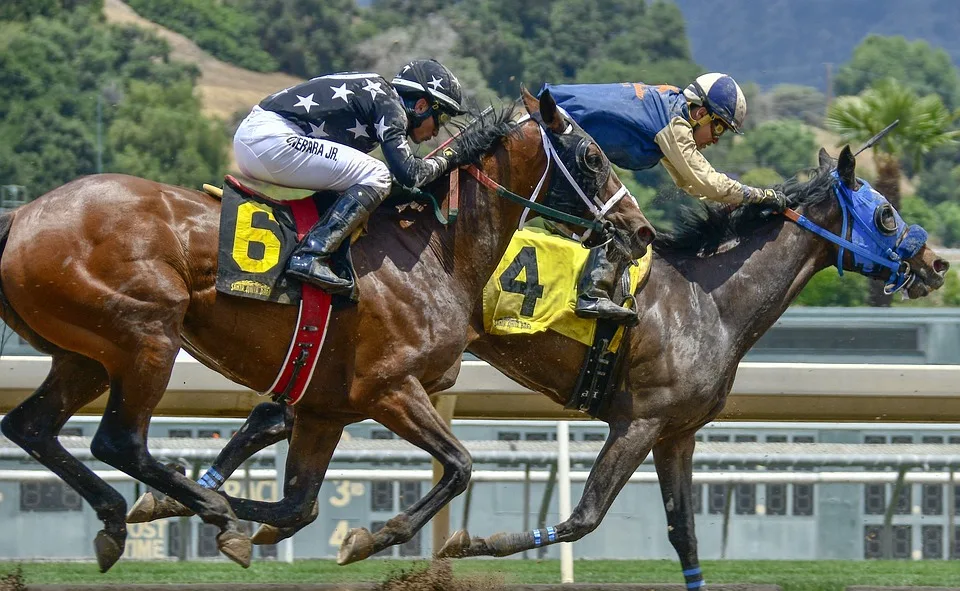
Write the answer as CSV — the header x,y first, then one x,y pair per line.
x,y
404,147
359,130
341,92
306,102
435,82
316,131
374,88
382,127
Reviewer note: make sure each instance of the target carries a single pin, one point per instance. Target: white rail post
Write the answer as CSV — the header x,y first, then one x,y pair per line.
x,y
285,547
563,483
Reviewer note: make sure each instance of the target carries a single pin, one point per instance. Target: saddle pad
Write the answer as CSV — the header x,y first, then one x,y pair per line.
x,y
534,288
256,238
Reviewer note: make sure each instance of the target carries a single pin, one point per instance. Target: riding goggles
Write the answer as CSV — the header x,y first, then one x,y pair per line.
x,y
717,125
440,117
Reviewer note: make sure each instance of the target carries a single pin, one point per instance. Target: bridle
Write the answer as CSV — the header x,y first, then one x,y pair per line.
x,y
597,207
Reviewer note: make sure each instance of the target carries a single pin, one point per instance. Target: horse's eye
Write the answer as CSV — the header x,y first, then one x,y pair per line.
x,y
593,162
885,220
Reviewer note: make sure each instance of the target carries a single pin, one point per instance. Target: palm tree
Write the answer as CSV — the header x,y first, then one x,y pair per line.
x,y
925,124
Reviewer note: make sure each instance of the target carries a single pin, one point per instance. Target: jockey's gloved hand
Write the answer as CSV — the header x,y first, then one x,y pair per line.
x,y
453,157
769,200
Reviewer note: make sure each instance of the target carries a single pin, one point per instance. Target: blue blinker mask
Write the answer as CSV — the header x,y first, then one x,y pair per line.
x,y
879,238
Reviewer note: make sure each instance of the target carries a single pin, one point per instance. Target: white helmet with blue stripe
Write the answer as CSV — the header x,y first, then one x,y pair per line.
x,y
722,97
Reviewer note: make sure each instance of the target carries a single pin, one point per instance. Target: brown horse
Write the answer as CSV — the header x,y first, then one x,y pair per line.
x,y
111,275
699,316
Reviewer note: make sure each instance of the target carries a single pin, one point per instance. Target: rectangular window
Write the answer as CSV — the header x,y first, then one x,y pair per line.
x,y
409,494
874,499
905,500
953,440
71,432
932,439
955,551
902,541
932,540
508,436
594,437
207,541
718,438
717,498
931,499
746,499
901,439
776,493
381,496
48,496
208,434
381,434
174,541
873,541
180,433
803,494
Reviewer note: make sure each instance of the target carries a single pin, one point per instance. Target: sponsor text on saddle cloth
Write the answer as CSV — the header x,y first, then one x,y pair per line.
x,y
535,288
257,236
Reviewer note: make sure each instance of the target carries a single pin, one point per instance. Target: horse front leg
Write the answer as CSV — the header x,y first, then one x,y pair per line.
x,y
674,460
406,410
267,424
626,447
312,443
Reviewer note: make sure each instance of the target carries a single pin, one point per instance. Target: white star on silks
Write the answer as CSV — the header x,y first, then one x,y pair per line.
x,y
382,128
306,102
435,82
373,88
317,131
341,92
358,130
404,146
405,68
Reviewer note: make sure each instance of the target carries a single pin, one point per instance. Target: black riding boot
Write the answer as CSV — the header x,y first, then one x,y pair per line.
x,y
310,260
594,289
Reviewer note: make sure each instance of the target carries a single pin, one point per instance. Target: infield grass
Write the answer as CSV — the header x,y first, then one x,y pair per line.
x,y
790,575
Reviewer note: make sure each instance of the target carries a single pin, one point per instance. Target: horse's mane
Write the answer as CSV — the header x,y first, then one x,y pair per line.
x,y
701,231
481,136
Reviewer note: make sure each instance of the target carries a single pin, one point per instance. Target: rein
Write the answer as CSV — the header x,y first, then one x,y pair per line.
x,y
599,209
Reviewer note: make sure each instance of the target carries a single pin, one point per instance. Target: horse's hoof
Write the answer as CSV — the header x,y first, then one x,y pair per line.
x,y
108,549
267,534
236,546
148,508
455,545
356,546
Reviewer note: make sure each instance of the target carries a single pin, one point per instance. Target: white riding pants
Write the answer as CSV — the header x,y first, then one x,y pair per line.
x,y
271,149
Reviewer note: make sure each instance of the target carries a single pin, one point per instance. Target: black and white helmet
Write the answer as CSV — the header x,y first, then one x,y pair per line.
x,y
433,80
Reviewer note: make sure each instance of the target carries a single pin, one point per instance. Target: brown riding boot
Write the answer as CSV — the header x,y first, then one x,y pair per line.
x,y
595,287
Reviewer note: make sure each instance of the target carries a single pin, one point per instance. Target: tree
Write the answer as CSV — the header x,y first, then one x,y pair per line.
x,y
925,124
793,101
786,146
918,66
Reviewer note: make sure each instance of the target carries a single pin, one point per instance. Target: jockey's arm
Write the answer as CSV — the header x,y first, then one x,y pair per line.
x,y
690,170
409,170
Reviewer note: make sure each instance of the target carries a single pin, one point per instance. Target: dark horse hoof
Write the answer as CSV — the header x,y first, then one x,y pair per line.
x,y
108,548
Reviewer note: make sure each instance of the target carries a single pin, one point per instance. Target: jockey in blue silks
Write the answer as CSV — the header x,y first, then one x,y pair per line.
x,y
639,125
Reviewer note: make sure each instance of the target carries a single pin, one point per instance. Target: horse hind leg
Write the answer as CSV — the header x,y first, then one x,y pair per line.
x,y
407,411
625,448
138,379
73,381
267,424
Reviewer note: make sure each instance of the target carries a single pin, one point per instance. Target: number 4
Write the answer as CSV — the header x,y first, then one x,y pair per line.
x,y
530,288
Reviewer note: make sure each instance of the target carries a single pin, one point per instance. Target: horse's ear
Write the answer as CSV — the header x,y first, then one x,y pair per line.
x,y
551,115
826,160
529,101
847,168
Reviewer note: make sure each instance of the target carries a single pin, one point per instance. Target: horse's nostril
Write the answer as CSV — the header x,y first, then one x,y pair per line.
x,y
941,266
